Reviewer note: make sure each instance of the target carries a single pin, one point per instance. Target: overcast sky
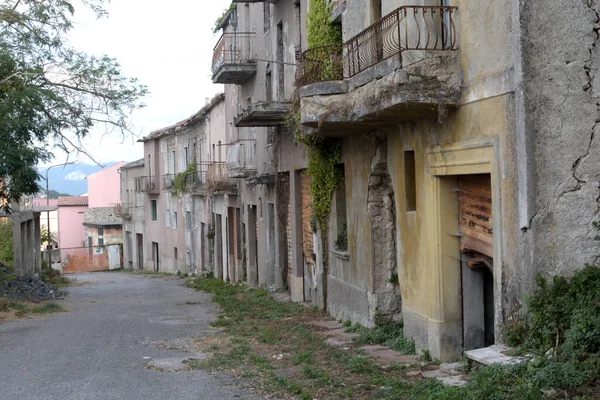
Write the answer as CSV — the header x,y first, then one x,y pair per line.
x,y
168,46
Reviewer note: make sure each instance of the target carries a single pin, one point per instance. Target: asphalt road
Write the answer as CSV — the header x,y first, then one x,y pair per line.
x,y
117,324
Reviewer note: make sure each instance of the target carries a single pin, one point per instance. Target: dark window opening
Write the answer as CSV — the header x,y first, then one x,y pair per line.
x,y
410,180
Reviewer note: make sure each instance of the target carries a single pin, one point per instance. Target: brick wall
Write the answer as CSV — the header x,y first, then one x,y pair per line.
x,y
307,233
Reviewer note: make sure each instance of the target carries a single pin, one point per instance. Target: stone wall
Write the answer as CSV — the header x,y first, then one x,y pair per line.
x,y
561,68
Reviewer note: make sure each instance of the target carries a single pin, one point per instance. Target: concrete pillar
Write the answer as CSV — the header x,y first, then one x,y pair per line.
x,y
37,242
17,243
297,267
30,246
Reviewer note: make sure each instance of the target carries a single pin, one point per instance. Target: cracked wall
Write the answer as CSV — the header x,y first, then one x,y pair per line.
x,y
561,65
386,303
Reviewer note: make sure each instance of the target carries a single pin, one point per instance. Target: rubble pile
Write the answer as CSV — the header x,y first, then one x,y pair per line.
x,y
25,288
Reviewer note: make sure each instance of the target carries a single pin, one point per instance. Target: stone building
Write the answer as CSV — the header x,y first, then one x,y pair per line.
x,y
468,149
133,213
184,165
101,220
255,58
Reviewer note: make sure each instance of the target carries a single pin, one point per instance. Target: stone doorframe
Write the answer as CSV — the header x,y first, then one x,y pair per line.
x,y
443,163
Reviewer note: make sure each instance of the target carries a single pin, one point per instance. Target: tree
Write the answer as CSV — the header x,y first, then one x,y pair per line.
x,y
52,95
46,236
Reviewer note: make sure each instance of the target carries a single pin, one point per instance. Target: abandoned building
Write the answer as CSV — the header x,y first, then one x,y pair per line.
x,y
166,197
467,162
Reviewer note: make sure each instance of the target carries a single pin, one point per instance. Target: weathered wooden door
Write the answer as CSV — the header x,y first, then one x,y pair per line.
x,y
475,214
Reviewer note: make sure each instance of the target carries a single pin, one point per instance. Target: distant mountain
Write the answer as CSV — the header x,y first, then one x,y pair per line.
x,y
70,178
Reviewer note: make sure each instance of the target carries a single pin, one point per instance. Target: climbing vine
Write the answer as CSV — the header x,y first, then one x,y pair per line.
x,y
324,154
183,178
321,32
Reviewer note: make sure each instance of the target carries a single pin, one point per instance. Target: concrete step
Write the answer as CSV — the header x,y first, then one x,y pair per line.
x,y
493,355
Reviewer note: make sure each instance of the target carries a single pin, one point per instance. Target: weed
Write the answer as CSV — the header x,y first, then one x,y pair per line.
x,y
359,364
48,308
425,356
391,334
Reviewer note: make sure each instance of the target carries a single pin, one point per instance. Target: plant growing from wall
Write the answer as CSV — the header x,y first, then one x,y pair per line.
x,y
183,178
324,154
321,32
341,243
222,17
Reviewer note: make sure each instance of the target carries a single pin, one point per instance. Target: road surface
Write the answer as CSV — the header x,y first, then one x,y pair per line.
x,y
118,325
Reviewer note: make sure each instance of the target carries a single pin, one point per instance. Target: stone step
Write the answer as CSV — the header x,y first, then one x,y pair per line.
x,y
493,355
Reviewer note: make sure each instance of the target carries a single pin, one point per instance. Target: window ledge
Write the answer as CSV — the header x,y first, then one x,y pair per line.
x,y
344,255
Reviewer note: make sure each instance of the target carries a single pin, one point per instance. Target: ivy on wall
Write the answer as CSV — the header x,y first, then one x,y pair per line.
x,y
182,178
321,32
324,154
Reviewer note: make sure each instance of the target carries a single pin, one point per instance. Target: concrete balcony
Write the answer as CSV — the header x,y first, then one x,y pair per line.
x,y
241,159
195,182
233,58
167,181
402,68
147,184
123,210
217,177
265,113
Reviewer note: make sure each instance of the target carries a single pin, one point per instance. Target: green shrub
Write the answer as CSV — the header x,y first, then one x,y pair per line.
x,y
563,315
6,242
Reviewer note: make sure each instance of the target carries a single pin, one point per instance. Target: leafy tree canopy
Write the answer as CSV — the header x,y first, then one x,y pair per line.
x,y
52,95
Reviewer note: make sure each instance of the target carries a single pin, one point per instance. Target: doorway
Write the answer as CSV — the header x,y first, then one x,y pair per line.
x,y
155,256
476,255
129,243
271,244
140,251
252,247
219,246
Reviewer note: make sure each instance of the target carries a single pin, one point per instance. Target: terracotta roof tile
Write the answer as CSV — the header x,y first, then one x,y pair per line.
x,y
73,201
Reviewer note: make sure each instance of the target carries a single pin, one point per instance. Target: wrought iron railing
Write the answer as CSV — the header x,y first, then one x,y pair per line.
x,y
122,210
196,180
233,48
126,211
406,28
241,155
146,184
167,181
217,177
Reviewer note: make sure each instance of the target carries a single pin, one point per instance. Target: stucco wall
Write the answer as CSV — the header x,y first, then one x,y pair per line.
x,y
70,226
104,186
561,93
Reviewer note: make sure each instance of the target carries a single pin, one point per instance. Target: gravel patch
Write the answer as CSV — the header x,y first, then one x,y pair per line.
x,y
26,288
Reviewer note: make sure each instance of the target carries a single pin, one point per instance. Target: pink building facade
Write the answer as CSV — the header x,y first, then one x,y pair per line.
x,y
70,221
104,187
102,222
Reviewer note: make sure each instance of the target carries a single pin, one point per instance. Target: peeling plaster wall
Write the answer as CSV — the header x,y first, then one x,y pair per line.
x,y
561,64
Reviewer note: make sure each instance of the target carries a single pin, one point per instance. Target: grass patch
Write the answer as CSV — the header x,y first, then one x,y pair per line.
x,y
48,308
10,310
57,280
391,334
270,345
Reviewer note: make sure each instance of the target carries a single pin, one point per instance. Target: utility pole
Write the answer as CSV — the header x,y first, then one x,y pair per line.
x,y
48,210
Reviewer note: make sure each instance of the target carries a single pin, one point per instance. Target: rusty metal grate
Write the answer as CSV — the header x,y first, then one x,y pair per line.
x,y
406,28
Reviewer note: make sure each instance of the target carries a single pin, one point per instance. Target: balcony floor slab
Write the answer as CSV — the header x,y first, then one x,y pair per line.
x,y
383,95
